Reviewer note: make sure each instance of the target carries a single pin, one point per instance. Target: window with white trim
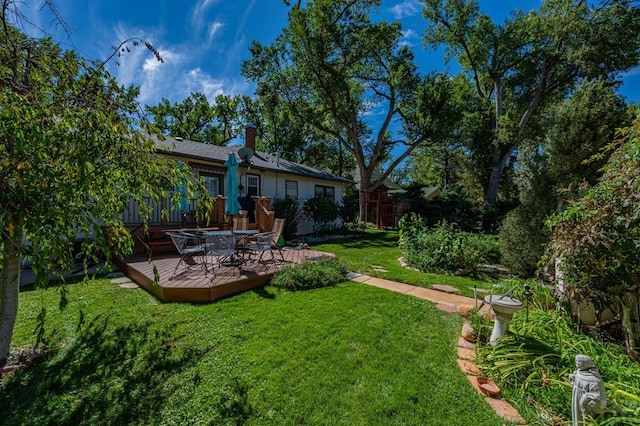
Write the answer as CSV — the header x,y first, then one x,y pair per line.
x,y
253,185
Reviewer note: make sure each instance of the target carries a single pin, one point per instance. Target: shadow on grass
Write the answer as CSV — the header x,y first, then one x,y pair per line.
x,y
106,376
263,293
367,240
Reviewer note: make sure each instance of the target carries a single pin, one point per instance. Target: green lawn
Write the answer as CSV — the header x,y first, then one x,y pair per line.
x,y
376,253
351,355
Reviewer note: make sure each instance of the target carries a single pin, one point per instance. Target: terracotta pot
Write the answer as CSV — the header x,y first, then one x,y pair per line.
x,y
488,386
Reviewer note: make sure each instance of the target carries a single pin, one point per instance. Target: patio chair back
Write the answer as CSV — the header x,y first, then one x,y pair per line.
x,y
278,226
187,245
220,245
182,242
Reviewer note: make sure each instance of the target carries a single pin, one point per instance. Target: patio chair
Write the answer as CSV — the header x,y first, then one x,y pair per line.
x,y
221,247
188,246
264,243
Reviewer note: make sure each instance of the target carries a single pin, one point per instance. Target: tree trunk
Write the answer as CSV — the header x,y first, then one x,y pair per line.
x,y
361,205
497,168
9,289
630,304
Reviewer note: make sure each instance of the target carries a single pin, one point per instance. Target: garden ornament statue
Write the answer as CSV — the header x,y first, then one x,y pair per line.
x,y
589,396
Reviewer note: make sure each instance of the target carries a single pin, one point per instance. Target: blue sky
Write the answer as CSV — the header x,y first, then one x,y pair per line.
x,y
203,42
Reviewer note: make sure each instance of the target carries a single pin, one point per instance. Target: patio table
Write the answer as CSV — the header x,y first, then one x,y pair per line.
x,y
241,234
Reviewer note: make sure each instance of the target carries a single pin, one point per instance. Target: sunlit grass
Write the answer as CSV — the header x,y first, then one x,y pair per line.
x,y
351,354
376,253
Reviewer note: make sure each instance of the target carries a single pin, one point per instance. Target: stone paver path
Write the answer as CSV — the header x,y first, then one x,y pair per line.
x,y
450,302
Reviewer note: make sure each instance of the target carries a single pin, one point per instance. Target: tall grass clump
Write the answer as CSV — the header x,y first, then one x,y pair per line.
x,y
307,275
535,358
445,248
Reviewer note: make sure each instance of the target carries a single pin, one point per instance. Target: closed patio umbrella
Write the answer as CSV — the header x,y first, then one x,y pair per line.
x,y
182,190
232,206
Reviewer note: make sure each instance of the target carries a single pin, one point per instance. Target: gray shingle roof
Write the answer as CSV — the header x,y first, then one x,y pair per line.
x,y
219,154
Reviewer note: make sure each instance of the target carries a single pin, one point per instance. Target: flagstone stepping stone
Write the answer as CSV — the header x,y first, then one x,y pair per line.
x,y
379,269
130,284
446,288
447,308
121,280
352,275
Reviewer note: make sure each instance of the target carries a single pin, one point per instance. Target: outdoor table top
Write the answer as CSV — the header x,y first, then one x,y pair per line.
x,y
232,232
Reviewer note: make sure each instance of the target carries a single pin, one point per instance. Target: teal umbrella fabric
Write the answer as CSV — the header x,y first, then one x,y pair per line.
x,y
182,190
232,206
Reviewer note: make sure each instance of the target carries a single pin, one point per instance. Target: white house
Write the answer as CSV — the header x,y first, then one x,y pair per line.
x,y
259,175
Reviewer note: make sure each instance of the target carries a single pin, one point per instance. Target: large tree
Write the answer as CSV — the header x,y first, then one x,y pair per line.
x,y
198,120
294,140
349,78
532,59
69,160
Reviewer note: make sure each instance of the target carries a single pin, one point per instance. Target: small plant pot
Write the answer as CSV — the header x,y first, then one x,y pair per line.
x,y
488,386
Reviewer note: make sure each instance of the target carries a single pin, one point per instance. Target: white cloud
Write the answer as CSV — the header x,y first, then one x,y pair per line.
x,y
409,37
214,27
405,9
199,10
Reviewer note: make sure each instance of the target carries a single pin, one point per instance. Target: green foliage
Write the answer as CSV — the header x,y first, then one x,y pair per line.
x,y
535,59
308,275
357,226
198,120
376,253
522,241
288,209
535,358
73,151
451,206
445,248
549,178
322,210
597,240
349,211
332,66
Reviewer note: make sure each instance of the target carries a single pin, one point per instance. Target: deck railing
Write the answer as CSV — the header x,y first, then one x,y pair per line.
x,y
131,216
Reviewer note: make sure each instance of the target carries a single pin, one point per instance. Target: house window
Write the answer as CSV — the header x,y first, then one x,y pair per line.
x,y
253,185
212,183
326,191
291,189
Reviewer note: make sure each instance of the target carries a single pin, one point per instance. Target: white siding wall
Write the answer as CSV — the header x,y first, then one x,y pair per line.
x,y
273,185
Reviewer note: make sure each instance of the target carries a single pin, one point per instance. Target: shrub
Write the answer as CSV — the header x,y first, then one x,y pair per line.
x,y
445,249
597,240
289,210
350,207
322,211
523,239
308,275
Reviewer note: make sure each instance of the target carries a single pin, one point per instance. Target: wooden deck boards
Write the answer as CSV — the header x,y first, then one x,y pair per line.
x,y
193,284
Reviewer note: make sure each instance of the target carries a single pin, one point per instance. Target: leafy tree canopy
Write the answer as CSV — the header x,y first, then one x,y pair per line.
x,y
69,160
333,66
531,60
196,119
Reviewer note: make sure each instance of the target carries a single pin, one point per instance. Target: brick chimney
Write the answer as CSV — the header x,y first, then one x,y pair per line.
x,y
250,137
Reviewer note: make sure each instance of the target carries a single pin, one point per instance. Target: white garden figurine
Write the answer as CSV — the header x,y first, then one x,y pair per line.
x,y
589,395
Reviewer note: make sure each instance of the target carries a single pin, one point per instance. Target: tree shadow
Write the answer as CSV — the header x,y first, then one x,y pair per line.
x,y
106,376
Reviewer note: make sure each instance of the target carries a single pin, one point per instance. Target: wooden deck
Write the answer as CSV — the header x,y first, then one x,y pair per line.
x,y
190,283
